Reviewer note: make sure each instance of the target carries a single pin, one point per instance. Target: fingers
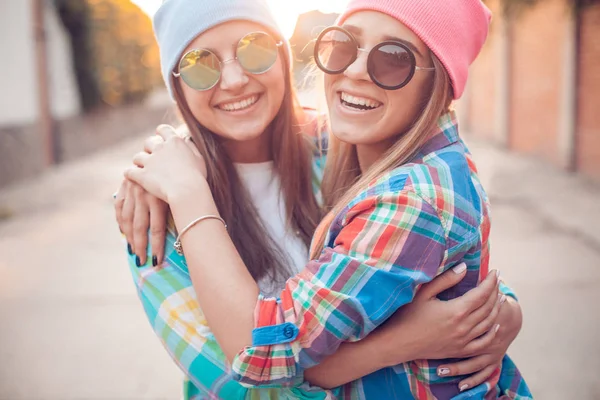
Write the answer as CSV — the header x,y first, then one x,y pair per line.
x,y
480,377
151,143
119,201
135,175
166,131
478,296
127,216
140,159
190,143
158,229
443,282
482,344
141,223
469,366
483,319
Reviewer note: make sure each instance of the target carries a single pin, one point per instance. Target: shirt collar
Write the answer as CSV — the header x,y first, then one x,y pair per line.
x,y
445,134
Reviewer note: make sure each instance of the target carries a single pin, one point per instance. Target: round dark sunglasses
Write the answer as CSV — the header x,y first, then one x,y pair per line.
x,y
391,64
201,69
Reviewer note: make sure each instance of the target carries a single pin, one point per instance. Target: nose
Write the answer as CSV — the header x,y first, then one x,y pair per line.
x,y
358,70
233,76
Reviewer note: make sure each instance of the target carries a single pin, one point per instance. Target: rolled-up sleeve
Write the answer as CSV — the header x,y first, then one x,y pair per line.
x,y
385,248
505,289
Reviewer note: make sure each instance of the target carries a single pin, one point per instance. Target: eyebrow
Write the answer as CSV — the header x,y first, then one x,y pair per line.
x,y
358,32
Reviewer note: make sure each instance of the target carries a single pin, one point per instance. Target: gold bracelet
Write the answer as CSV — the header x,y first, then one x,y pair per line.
x,y
177,244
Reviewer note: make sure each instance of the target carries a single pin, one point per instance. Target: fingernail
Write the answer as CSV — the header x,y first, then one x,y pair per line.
x,y
498,273
154,261
129,249
443,371
460,268
496,328
138,262
464,387
503,299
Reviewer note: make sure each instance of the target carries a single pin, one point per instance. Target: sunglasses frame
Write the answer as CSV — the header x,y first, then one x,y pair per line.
x,y
370,62
278,44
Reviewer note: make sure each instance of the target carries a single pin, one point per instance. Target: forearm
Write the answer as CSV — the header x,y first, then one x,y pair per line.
x,y
354,360
224,287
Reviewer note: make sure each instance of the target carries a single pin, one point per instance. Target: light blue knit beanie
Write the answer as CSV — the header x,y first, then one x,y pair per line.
x,y
178,22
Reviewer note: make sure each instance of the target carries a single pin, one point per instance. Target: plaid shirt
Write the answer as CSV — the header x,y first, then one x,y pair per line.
x,y
407,227
170,304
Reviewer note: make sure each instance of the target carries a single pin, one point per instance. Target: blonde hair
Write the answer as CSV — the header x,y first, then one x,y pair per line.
x,y
292,158
343,179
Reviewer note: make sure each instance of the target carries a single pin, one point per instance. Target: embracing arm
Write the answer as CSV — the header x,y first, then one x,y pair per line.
x,y
387,247
320,308
388,346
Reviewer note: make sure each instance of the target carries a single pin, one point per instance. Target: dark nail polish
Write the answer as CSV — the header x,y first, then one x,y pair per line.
x,y
154,261
138,262
129,249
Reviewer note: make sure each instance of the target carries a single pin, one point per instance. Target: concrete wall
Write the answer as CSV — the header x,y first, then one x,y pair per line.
x,y
535,89
588,99
536,85
18,78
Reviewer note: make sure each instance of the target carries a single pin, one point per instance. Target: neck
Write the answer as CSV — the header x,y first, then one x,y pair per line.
x,y
368,154
252,151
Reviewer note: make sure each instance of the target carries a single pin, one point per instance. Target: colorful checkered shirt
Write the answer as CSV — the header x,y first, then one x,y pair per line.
x,y
170,304
404,229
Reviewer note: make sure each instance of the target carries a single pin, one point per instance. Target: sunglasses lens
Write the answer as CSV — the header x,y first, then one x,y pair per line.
x,y
392,66
335,51
257,52
200,69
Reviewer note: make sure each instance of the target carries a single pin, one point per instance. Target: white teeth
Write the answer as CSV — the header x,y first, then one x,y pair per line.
x,y
240,105
359,101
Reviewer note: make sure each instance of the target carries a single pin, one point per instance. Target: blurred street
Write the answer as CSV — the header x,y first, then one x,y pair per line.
x,y
72,327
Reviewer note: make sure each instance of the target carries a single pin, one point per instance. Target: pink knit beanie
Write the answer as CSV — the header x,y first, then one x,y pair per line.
x,y
454,30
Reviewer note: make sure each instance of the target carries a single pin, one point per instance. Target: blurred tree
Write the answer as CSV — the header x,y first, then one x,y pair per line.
x,y
75,17
114,52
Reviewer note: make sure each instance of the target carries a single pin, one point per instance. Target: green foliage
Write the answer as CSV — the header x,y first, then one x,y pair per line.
x,y
115,55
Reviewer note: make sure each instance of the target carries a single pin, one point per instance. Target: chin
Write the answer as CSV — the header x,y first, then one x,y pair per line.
x,y
244,133
349,133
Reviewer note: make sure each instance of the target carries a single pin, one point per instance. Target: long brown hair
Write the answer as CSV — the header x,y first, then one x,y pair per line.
x,y
343,180
292,153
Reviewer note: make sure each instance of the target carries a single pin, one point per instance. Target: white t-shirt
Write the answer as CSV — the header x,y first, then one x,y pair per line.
x,y
264,187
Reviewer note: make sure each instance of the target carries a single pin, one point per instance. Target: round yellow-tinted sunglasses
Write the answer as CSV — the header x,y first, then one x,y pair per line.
x,y
201,69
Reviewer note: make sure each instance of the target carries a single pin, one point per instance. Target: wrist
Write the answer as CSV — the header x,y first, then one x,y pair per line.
x,y
392,348
190,190
191,201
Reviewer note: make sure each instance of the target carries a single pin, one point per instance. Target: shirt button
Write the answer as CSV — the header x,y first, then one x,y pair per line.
x,y
288,332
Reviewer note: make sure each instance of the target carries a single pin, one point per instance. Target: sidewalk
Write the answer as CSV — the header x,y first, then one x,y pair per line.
x,y
546,243
74,329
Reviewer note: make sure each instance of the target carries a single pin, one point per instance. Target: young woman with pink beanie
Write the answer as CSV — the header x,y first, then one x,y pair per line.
x,y
404,201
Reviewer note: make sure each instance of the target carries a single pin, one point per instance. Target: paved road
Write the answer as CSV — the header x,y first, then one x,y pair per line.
x,y
72,327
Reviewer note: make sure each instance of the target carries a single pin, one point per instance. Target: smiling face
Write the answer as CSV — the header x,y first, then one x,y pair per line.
x,y
242,105
363,113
